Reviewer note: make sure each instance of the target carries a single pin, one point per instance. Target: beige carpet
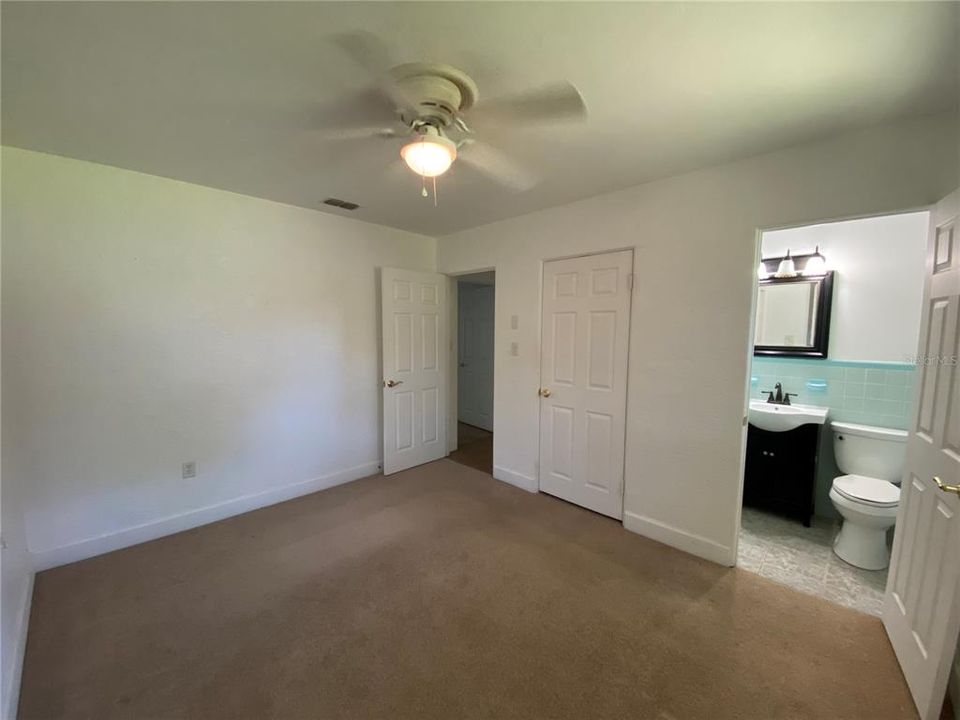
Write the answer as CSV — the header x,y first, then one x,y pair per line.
x,y
440,593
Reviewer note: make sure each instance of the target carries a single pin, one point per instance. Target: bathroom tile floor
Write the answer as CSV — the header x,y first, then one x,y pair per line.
x,y
786,552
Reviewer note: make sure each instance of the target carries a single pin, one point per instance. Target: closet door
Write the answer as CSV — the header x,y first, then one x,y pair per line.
x,y
583,374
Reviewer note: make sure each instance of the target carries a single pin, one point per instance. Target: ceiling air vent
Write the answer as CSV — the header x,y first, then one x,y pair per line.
x,y
336,202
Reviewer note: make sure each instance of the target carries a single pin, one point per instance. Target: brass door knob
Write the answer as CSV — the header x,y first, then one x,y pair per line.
x,y
544,392
946,488
393,383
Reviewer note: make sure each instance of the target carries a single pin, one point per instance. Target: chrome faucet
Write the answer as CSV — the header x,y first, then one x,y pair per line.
x,y
781,398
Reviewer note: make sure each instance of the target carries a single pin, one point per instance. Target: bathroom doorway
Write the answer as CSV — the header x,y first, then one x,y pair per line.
x,y
836,326
476,302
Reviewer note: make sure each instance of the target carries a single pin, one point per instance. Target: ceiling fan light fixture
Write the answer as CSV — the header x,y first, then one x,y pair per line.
x,y
430,155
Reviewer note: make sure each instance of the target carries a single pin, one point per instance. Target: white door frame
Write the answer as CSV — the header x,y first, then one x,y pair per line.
x,y
539,349
757,253
453,280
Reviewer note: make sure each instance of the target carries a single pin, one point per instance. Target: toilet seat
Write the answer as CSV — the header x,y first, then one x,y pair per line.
x,y
867,490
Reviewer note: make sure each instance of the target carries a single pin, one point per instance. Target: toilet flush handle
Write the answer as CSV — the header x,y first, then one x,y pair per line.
x,y
946,488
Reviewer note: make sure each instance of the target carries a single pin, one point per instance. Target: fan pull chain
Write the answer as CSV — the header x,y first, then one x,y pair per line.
x,y
423,185
434,190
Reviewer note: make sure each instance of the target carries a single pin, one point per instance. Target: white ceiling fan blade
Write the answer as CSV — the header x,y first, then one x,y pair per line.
x,y
370,53
496,165
365,49
550,103
354,133
364,110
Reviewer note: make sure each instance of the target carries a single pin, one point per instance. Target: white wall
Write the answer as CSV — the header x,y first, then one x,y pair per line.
x,y
149,322
695,241
878,288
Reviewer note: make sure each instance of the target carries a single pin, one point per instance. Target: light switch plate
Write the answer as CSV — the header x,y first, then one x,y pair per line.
x,y
514,322
514,349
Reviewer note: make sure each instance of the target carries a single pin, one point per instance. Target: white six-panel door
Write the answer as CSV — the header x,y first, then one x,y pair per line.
x,y
414,372
475,351
922,606
583,376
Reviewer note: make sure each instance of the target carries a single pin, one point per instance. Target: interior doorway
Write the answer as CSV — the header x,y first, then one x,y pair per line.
x,y
476,300
831,385
880,386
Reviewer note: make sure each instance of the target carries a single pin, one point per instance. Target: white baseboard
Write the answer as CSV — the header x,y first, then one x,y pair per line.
x,y
11,692
109,542
680,539
524,482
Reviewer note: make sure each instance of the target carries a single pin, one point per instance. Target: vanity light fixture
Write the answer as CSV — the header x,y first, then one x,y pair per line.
x,y
816,264
787,269
762,271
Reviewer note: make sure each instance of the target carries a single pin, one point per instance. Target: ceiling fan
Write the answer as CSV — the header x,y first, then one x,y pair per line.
x,y
436,108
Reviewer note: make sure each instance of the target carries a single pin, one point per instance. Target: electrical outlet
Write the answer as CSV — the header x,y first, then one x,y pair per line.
x,y
189,470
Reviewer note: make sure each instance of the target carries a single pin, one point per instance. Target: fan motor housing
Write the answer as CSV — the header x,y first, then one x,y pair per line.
x,y
439,91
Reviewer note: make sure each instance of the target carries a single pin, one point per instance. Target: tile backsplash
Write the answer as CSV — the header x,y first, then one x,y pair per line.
x,y
871,393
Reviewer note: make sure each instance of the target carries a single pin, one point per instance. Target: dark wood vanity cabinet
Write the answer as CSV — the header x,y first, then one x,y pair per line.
x,y
781,470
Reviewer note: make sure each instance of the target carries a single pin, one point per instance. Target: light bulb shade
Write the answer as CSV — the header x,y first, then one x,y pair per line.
x,y
762,271
429,155
786,268
816,264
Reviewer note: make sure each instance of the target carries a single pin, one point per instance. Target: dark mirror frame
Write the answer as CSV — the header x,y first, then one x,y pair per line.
x,y
821,333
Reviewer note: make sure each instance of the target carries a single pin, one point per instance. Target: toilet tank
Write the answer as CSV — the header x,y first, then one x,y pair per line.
x,y
872,451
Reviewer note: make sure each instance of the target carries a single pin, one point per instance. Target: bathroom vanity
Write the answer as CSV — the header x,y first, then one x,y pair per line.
x,y
783,446
781,470
783,439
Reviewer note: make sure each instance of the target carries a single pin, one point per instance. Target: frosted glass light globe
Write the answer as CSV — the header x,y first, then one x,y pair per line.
x,y
429,155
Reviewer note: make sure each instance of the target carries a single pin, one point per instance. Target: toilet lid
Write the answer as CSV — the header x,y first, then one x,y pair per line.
x,y
872,491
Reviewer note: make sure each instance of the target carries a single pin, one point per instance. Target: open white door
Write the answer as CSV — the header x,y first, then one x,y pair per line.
x,y
922,607
583,372
414,368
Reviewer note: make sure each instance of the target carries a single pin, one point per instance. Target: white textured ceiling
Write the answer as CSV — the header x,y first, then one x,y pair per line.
x,y
224,94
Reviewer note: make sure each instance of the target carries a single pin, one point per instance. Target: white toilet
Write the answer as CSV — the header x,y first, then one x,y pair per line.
x,y
868,496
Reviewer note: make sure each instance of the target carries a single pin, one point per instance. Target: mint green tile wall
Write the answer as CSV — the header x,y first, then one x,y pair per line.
x,y
860,392
870,393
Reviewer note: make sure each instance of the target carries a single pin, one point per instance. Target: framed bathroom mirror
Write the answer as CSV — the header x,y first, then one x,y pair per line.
x,y
793,315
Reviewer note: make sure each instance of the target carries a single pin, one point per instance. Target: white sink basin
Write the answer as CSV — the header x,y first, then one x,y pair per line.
x,y
779,418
